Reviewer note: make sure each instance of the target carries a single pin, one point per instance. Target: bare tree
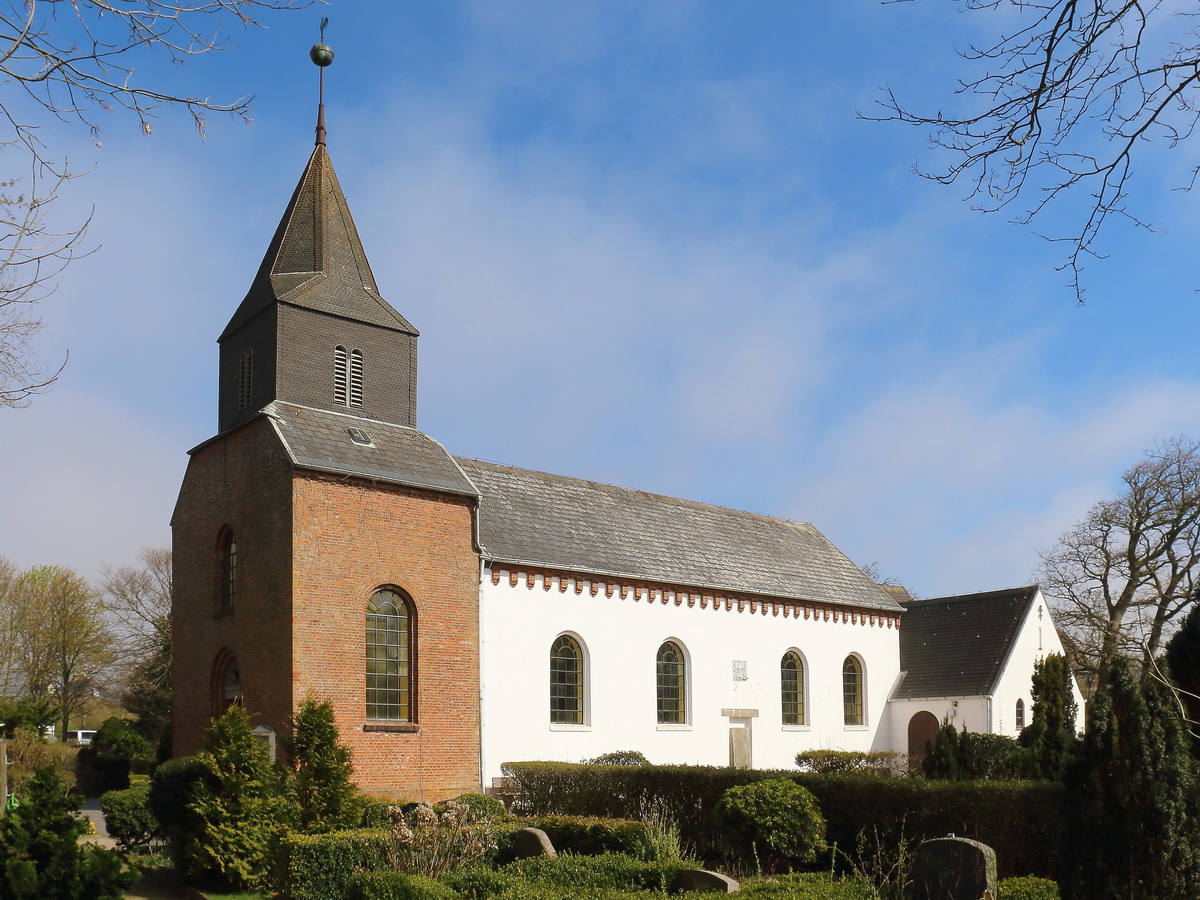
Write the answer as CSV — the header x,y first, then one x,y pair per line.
x,y
1062,103
66,647
8,634
76,62
139,600
1119,579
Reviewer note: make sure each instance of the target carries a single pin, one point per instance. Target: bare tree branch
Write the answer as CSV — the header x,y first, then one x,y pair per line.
x,y
1063,104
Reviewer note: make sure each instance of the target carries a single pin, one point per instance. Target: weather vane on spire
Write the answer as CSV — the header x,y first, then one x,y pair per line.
x,y
322,55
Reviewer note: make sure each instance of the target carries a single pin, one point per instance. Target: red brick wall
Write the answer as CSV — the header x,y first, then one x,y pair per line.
x,y
351,538
241,481
311,550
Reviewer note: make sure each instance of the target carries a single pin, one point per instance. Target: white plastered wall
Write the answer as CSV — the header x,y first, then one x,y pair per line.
x,y
620,638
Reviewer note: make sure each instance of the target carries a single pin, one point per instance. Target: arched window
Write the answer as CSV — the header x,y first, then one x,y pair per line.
x,y
671,683
566,681
347,376
1020,713
226,682
246,378
791,680
226,571
390,658
356,379
852,691
341,376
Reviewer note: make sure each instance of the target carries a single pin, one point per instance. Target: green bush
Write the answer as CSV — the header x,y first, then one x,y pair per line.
x,y
319,866
1020,820
40,853
1028,888
590,836
831,762
128,819
169,802
480,806
619,758
396,886
377,813
116,737
98,773
776,820
571,873
319,769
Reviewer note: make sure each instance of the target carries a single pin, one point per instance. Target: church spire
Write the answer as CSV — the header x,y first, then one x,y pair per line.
x,y
322,55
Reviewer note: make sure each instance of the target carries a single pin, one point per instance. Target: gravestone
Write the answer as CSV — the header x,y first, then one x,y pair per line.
x,y
953,868
532,842
704,880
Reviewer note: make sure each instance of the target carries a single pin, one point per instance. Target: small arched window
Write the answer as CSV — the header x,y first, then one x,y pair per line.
x,y
390,658
791,680
246,378
341,375
1020,713
226,682
671,684
566,681
852,691
226,571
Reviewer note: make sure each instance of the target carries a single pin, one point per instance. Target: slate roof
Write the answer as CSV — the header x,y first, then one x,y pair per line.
x,y
558,522
316,260
958,646
320,439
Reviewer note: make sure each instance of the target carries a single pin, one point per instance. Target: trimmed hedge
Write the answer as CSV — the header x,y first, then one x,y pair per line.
x,y
552,878
396,886
587,836
319,866
1020,820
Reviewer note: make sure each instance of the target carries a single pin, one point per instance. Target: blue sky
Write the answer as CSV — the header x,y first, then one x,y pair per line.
x,y
646,244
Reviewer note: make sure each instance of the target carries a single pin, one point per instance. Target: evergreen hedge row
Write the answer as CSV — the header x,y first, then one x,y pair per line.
x,y
1020,820
319,866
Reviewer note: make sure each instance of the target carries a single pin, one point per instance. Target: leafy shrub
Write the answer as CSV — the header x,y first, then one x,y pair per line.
x,y
429,843
1020,820
128,819
377,813
619,758
571,874
396,886
319,866
98,773
479,806
831,762
779,821
26,714
590,836
169,801
28,751
1028,888
40,853
116,737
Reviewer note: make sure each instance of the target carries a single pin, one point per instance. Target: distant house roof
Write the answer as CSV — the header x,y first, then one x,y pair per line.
x,y
958,646
550,520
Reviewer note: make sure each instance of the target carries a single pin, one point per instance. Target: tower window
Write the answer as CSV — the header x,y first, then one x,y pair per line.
x,y
347,376
226,571
389,656
246,378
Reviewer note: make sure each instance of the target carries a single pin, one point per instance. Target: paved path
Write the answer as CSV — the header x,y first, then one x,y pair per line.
x,y
154,885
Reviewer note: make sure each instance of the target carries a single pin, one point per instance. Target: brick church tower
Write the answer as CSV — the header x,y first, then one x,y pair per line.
x,y
321,542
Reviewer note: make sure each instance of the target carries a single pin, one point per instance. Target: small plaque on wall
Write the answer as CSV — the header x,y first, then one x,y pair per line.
x,y
739,670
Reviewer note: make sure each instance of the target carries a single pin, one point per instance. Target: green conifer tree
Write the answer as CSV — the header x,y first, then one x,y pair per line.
x,y
1183,663
237,808
40,854
1051,735
1129,805
943,756
320,769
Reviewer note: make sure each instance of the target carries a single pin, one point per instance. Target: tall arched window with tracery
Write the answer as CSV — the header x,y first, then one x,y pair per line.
x,y
852,691
226,571
791,680
390,658
671,684
566,681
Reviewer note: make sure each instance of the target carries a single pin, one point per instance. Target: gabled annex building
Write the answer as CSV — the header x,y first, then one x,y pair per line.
x,y
460,614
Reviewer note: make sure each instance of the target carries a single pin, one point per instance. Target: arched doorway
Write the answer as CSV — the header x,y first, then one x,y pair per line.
x,y
922,732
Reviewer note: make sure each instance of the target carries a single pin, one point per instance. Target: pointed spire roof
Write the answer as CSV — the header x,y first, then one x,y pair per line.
x,y
316,260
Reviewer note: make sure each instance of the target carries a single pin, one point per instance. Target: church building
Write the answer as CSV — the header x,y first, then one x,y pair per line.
x,y
461,614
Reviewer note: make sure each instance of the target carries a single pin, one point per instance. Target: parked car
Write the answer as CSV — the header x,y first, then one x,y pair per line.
x,y
81,737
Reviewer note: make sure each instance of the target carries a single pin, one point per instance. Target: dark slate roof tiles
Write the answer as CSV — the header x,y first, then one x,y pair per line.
x,y
957,646
319,439
558,522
